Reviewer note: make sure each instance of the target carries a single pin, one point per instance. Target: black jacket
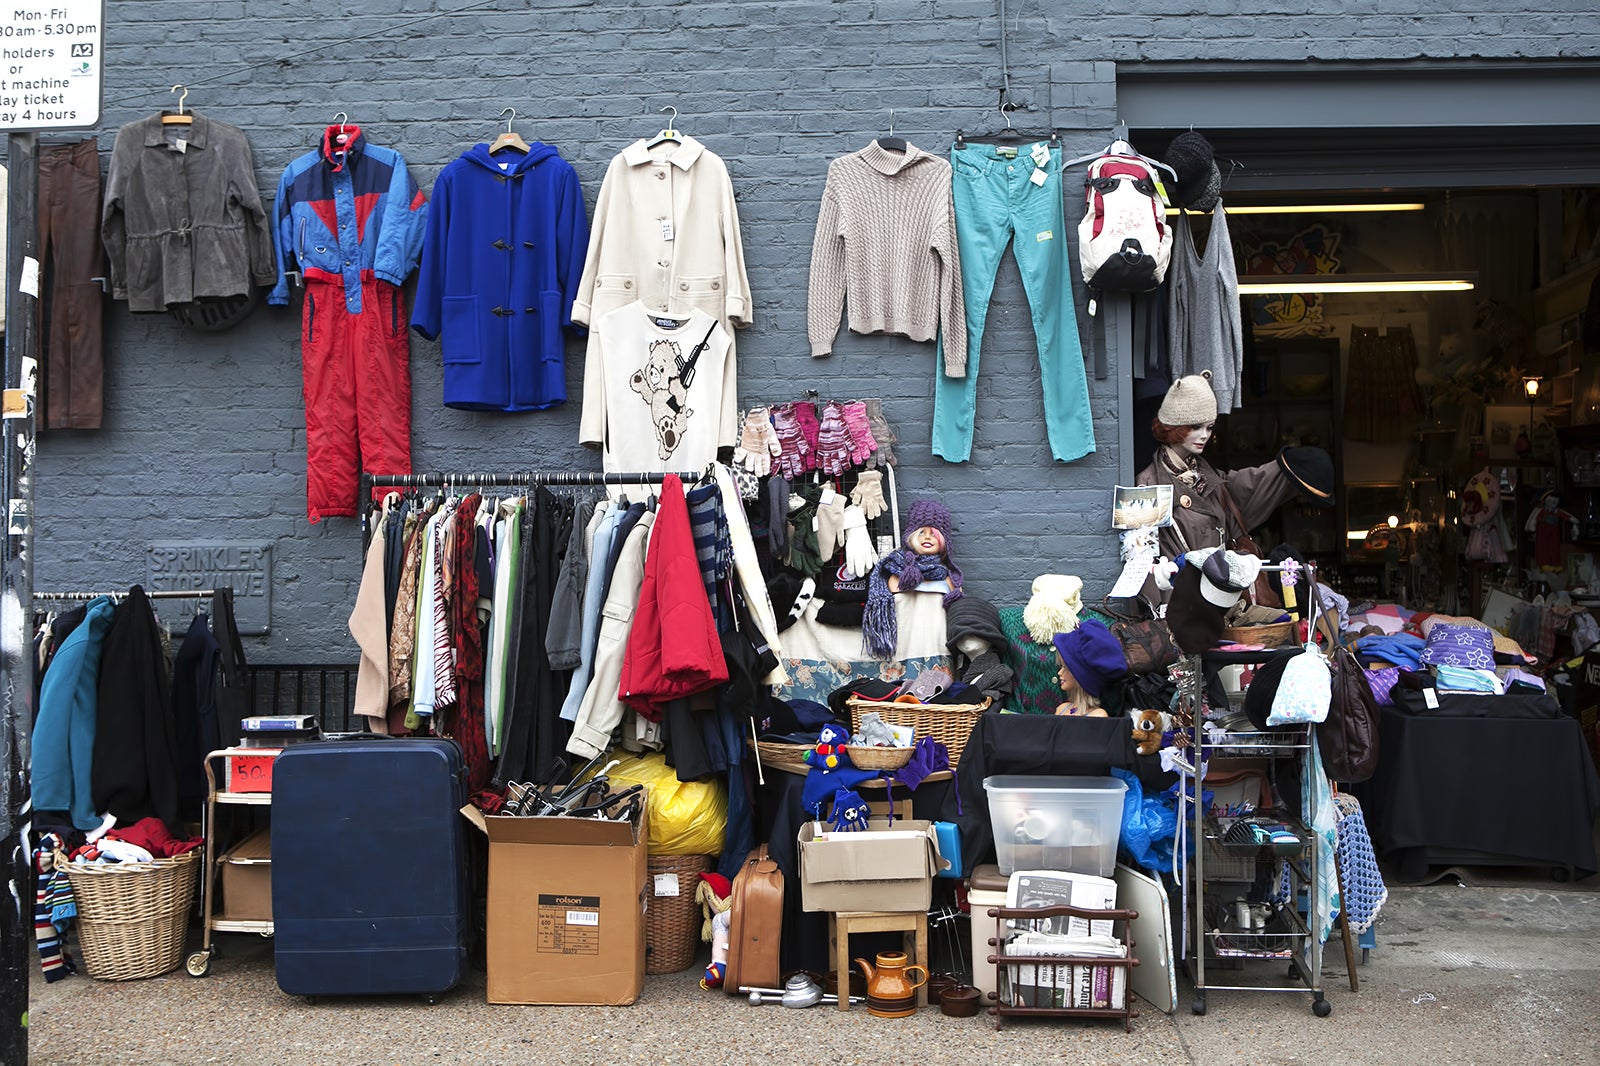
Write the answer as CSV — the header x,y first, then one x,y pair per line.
x,y
134,772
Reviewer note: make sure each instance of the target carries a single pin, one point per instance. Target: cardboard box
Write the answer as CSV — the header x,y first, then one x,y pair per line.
x,y
250,770
886,867
247,879
566,909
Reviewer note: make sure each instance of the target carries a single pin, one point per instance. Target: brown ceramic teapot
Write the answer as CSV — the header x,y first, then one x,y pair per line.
x,y
890,991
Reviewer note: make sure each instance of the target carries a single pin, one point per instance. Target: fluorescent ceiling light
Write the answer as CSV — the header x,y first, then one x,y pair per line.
x,y
1260,284
1313,209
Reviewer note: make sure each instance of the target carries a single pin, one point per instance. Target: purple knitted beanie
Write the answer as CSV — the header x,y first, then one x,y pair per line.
x,y
932,514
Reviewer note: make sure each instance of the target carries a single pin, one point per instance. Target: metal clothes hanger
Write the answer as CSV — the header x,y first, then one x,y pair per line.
x,y
1008,135
1120,145
509,139
892,143
670,133
341,137
179,117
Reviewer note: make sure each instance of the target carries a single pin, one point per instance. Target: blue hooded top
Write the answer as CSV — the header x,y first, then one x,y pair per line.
x,y
506,240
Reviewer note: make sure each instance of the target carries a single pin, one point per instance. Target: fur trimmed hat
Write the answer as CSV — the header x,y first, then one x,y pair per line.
x,y
1190,402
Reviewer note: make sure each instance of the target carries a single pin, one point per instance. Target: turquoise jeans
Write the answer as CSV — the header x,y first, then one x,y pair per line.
x,y
998,202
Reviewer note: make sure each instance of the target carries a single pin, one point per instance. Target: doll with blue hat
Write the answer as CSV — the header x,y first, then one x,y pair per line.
x,y
1091,659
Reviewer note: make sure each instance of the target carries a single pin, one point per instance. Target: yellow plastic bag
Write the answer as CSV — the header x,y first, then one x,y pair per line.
x,y
686,817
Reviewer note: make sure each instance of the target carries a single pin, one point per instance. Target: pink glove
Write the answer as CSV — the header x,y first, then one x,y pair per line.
x,y
833,441
882,432
805,413
791,442
861,443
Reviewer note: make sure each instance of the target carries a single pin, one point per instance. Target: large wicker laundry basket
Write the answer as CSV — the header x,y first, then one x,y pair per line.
x,y
132,917
672,919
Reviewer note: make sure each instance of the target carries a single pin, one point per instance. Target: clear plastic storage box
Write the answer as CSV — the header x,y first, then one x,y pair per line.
x,y
1056,823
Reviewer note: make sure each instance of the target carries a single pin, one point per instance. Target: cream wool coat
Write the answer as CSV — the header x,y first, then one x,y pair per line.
x,y
665,231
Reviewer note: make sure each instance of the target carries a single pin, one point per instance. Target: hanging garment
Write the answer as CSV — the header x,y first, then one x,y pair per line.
x,y
423,662
996,202
712,548
535,733
594,598
368,625
465,723
183,218
886,235
63,736
403,632
1382,404
660,392
194,713
499,275
507,586
563,638
1205,323
673,648
602,707
398,509
135,751
666,232
747,568
70,261
350,219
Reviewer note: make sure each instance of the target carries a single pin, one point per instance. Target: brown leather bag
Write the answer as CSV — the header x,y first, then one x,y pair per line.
x,y
756,924
1146,642
1348,739
1263,594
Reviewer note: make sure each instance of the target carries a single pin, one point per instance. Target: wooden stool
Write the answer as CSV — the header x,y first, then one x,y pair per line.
x,y
914,924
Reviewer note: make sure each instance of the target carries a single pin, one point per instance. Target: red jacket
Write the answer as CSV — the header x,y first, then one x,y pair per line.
x,y
673,648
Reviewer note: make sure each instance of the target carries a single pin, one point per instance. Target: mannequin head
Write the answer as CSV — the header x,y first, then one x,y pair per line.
x,y
1186,440
926,540
971,645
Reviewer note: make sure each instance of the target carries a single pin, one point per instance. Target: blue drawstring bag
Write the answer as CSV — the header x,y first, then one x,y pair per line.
x,y
1149,825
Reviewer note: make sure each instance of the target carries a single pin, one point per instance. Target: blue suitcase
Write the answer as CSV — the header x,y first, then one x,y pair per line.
x,y
369,867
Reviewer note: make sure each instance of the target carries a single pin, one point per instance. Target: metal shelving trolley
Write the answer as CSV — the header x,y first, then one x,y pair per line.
x,y
199,963
1247,901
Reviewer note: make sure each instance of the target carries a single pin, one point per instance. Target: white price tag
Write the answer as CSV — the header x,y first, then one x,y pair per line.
x,y
667,885
1039,177
666,229
29,282
827,496
1431,698
182,146
1040,153
583,917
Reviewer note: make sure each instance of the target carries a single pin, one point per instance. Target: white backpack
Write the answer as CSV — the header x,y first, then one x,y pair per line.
x,y
1124,242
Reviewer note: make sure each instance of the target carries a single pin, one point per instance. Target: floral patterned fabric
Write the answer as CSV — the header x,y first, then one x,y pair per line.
x,y
817,679
1464,646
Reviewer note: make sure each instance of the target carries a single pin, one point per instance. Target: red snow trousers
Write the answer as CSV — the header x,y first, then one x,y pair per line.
x,y
357,390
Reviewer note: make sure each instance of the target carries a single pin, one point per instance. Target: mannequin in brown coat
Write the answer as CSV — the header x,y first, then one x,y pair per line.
x,y
1201,517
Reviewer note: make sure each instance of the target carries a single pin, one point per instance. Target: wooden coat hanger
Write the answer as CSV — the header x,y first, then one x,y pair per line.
x,y
509,139
179,117
670,133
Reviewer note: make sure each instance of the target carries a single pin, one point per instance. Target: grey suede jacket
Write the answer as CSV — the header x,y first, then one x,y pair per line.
x,y
183,217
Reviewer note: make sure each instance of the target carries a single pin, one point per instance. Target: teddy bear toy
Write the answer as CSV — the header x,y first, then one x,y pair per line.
x,y
1148,728
829,752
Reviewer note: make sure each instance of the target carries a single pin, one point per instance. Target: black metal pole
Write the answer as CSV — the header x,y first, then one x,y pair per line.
x,y
16,591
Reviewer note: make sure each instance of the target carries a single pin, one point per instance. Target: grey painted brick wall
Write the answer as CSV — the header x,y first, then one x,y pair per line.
x,y
204,434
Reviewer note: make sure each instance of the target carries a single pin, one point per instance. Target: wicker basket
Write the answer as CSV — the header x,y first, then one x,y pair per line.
x,y
1275,635
672,922
132,917
868,757
948,723
776,754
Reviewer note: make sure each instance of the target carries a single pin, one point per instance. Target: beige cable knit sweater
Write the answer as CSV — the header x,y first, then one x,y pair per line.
x,y
886,234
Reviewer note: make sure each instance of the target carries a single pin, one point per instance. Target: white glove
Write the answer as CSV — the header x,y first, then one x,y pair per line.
x,y
868,493
830,526
859,558
758,444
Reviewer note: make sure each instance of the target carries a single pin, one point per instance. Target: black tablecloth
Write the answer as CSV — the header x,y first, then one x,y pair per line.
x,y
1521,790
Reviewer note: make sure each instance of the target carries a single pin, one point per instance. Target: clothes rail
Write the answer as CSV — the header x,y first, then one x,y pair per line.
x,y
159,594
370,481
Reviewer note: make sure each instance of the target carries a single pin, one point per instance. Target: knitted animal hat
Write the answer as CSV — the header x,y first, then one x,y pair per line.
x,y
1190,402
1054,607
1093,655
